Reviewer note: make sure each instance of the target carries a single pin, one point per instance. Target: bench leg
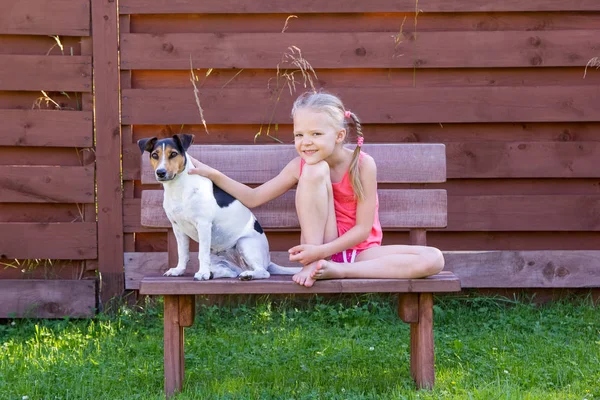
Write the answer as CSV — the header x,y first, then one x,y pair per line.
x,y
421,344
179,312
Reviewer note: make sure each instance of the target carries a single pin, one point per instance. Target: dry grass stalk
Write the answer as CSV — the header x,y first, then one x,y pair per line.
x,y
47,99
285,26
594,62
193,79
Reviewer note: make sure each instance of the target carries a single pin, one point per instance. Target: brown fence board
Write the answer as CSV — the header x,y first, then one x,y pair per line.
x,y
23,298
76,241
42,156
341,6
42,17
360,50
49,73
42,184
46,128
402,105
40,212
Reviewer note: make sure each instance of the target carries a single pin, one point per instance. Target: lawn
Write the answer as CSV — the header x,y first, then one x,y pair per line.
x,y
486,348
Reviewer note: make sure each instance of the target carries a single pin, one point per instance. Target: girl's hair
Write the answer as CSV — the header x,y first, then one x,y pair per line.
x,y
333,106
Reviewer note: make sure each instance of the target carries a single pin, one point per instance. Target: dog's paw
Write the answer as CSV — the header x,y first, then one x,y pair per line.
x,y
174,272
246,276
203,276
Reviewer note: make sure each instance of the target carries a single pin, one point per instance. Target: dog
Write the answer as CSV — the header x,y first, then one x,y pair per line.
x,y
231,241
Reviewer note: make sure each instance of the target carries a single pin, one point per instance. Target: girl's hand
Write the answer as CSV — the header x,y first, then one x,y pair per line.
x,y
305,253
199,168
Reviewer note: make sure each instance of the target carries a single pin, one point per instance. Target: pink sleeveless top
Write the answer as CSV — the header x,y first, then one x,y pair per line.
x,y
345,210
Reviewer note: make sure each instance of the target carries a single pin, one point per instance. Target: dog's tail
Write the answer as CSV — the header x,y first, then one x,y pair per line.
x,y
279,270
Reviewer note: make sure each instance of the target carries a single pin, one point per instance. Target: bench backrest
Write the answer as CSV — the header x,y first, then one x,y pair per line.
x,y
399,208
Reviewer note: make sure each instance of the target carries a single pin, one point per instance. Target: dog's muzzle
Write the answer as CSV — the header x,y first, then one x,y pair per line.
x,y
162,175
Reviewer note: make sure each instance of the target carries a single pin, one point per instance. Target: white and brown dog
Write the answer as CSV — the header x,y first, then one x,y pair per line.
x,y
231,241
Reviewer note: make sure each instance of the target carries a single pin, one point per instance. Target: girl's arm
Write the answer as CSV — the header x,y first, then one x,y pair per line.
x,y
365,217
251,197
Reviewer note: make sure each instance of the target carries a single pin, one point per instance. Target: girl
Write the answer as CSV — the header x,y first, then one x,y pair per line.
x,y
336,200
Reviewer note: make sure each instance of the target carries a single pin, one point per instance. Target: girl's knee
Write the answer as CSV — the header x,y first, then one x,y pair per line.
x,y
433,261
316,173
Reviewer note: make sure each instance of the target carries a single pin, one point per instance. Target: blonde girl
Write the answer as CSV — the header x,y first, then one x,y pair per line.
x,y
336,200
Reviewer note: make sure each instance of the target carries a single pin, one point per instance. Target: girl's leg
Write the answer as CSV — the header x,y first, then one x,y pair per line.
x,y
397,261
314,205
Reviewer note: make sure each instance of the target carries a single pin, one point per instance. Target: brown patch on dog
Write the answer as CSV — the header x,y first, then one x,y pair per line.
x,y
168,157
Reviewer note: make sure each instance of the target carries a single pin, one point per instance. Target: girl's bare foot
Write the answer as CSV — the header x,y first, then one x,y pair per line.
x,y
304,277
327,270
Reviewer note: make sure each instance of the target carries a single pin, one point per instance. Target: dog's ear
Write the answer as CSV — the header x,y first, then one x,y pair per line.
x,y
147,144
184,140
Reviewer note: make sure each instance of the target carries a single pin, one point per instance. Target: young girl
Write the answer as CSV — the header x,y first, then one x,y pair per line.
x,y
336,200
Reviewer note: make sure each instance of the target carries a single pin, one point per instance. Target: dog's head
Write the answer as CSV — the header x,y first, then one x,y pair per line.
x,y
167,156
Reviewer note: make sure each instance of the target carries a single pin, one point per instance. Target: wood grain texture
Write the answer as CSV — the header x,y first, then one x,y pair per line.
x,y
66,241
341,6
498,49
46,128
43,184
396,163
397,209
37,298
48,73
402,105
41,17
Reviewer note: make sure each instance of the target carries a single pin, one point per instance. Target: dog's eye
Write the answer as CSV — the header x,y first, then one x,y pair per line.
x,y
154,155
173,154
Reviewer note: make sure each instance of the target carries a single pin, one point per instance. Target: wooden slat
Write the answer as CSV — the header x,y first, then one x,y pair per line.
x,y
341,6
279,284
108,147
66,241
567,48
33,298
501,269
42,17
526,269
43,184
402,105
132,215
46,128
524,213
397,209
49,73
423,163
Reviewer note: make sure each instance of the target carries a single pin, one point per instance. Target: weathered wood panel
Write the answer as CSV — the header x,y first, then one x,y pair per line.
x,y
67,241
49,73
397,209
341,6
41,17
41,184
498,269
46,128
402,105
360,50
26,298
40,212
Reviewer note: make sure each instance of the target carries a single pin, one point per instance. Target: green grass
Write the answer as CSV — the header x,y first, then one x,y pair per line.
x,y
485,349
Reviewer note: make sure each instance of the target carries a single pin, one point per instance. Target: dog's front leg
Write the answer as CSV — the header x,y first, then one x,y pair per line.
x,y
204,241
183,252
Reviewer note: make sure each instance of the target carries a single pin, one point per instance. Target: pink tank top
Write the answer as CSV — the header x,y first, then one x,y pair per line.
x,y
345,210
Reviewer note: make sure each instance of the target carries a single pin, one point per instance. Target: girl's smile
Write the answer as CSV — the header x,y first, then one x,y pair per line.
x,y
315,135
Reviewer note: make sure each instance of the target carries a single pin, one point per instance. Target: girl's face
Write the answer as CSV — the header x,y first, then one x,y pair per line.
x,y
316,135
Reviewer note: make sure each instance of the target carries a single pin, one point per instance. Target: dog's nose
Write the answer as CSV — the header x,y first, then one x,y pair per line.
x,y
161,173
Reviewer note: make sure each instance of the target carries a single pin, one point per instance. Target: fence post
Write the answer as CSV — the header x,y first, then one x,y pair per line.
x,y
108,148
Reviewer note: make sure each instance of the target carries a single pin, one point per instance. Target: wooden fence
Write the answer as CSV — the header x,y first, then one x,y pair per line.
x,y
501,84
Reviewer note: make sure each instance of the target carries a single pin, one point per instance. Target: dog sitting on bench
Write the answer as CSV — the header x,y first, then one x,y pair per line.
x,y
231,241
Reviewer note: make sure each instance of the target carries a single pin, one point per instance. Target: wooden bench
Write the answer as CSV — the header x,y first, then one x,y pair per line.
x,y
401,208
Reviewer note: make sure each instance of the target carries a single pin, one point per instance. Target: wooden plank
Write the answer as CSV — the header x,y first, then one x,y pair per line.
x,y
401,105
397,209
37,298
74,241
421,333
513,160
524,213
46,128
173,346
280,284
481,269
341,6
108,147
423,163
132,216
43,184
41,17
49,73
509,49
40,212
526,269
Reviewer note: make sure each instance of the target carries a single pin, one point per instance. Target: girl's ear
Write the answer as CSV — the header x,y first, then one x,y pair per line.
x,y
341,135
